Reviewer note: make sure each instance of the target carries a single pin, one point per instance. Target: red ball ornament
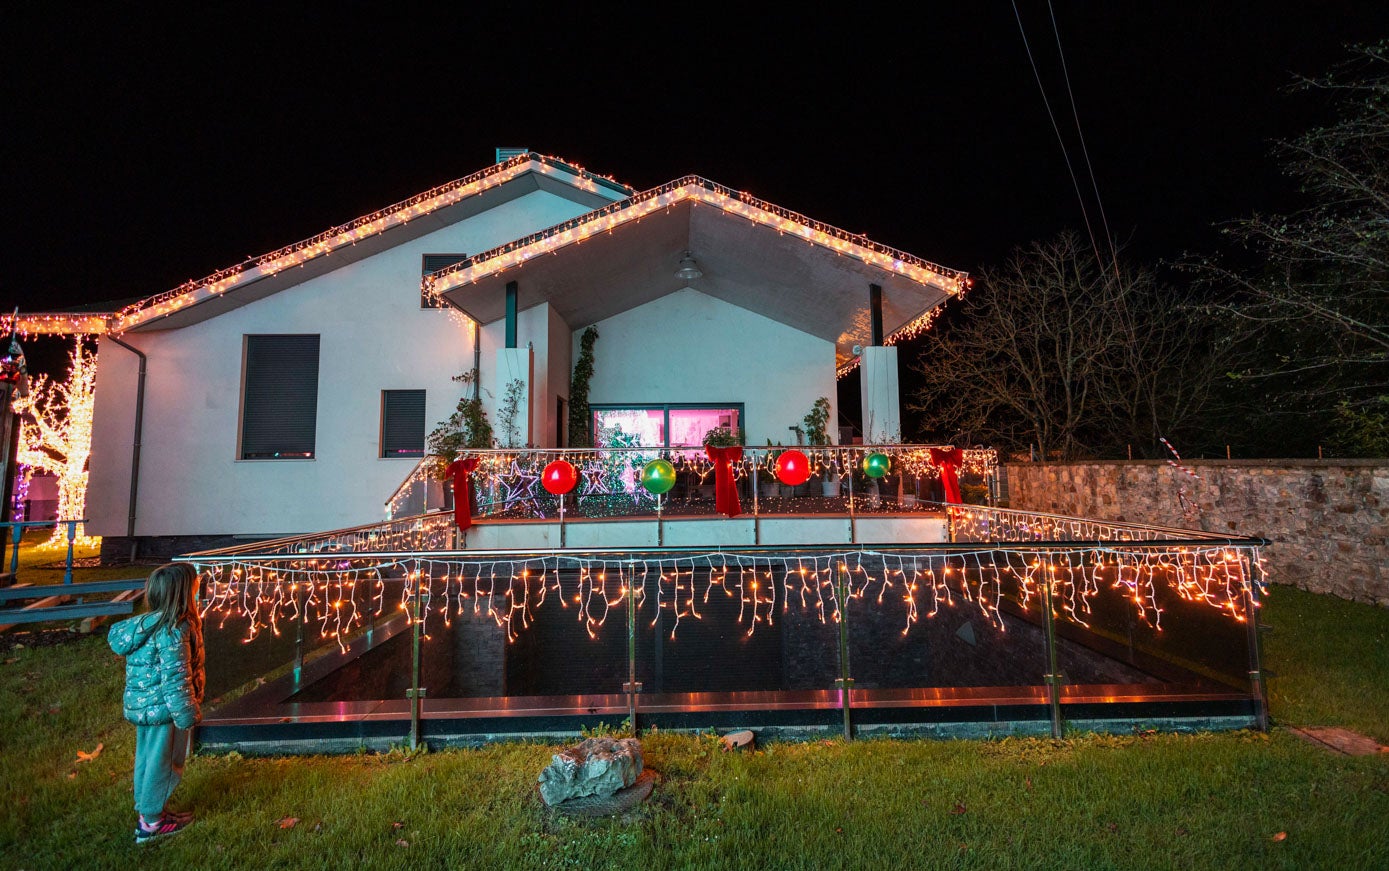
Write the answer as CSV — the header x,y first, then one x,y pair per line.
x,y
792,468
559,477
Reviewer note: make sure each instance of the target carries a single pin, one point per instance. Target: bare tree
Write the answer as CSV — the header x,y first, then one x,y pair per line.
x,y
1317,303
1053,352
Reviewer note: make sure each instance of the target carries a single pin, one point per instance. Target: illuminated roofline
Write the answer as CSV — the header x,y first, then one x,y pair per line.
x,y
697,190
214,285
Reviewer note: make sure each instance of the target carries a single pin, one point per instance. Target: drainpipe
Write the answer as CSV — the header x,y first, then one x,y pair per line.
x,y
135,449
477,358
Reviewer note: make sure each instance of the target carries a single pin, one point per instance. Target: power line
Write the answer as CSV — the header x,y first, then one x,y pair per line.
x,y
1075,114
1065,154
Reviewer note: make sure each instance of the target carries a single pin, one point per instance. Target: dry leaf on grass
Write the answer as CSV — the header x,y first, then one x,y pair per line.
x,y
88,757
288,822
958,809
1281,836
402,843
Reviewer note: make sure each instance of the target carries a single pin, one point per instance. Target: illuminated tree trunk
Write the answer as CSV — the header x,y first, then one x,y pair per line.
x,y
55,435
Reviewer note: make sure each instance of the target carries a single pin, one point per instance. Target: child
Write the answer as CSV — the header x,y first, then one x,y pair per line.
x,y
163,691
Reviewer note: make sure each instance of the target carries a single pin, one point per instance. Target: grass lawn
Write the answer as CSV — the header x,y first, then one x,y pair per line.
x,y
1231,800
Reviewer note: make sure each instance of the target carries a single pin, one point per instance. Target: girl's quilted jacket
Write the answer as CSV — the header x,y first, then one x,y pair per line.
x,y
163,671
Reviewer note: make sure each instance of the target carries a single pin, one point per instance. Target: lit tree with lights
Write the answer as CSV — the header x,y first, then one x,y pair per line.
x,y
55,435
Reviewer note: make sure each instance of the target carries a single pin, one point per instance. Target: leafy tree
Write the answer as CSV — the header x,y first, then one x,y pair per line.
x,y
1051,351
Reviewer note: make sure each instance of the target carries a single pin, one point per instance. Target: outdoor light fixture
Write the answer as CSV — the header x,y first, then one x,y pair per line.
x,y
689,270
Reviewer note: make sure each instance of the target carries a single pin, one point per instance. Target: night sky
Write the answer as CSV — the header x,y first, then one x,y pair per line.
x,y
143,153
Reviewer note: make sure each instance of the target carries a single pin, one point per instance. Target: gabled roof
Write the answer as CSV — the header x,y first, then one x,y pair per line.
x,y
261,276
753,254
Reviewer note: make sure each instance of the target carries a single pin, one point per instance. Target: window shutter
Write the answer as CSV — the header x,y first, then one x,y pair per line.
x,y
402,423
279,406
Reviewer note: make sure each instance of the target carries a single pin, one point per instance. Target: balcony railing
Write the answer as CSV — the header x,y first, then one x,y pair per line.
x,y
507,482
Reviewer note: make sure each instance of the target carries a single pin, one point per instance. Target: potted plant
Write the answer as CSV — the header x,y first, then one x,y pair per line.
x,y
816,425
718,437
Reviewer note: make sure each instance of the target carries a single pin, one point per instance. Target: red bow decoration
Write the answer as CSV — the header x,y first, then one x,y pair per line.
x,y
948,460
725,493
464,504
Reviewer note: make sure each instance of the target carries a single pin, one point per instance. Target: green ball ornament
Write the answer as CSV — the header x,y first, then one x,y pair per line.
x,y
658,476
876,465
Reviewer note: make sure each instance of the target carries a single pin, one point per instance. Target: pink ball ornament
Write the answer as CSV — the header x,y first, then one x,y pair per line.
x,y
559,477
792,468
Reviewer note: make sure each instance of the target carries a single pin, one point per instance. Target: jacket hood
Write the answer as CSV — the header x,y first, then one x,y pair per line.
x,y
126,636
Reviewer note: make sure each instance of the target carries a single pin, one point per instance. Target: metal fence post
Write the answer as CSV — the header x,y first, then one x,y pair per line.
x,y
1258,686
845,681
416,692
632,687
1053,676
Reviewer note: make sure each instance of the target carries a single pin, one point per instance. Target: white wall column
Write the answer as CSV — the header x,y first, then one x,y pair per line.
x,y
881,400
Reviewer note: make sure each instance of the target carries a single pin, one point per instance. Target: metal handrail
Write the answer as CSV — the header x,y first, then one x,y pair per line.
x,y
619,554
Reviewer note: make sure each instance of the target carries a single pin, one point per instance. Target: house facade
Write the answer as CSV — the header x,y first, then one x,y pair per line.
x,y
292,393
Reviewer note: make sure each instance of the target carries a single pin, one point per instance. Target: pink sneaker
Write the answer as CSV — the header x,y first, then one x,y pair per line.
x,y
165,825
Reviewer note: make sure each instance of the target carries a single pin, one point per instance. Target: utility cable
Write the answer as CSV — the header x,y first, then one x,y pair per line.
x,y
1075,114
1075,183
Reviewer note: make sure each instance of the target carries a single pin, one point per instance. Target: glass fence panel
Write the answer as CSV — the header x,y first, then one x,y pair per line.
x,y
941,621
726,630
279,630
1172,619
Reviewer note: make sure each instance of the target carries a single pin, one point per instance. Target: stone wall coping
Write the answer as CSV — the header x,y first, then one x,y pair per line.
x,y
1286,463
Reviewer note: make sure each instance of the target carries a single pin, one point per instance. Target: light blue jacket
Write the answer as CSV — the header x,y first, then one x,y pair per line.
x,y
164,675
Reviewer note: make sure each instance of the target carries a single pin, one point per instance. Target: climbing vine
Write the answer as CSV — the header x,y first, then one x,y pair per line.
x,y
580,415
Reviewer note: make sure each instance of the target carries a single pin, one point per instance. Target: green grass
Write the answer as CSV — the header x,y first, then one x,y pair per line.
x,y
1151,801
1331,660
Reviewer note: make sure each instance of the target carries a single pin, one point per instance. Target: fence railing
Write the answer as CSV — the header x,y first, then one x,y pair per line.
x,y
51,599
16,534
1074,594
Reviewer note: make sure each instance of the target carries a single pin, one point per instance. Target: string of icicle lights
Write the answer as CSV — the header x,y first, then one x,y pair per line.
x,y
339,595
300,253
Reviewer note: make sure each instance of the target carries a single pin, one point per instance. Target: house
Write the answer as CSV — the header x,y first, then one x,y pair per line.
x,y
292,393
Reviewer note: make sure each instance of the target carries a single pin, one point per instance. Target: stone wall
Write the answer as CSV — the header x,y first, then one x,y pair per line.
x,y
1328,519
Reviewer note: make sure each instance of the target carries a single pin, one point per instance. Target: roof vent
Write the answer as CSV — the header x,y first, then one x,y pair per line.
x,y
505,154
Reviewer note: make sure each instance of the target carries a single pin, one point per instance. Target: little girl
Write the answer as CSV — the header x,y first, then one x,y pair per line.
x,y
163,691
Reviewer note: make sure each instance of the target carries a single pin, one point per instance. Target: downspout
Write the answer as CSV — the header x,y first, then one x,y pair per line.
x,y
477,358
135,449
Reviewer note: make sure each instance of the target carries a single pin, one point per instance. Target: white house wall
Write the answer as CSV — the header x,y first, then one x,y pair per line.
x,y
374,337
547,334
688,347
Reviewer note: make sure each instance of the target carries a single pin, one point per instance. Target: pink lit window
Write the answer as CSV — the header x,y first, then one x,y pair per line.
x,y
667,426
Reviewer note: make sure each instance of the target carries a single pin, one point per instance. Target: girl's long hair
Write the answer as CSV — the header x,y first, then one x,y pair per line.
x,y
169,592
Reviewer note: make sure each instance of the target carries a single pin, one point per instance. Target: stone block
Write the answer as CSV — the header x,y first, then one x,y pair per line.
x,y
595,767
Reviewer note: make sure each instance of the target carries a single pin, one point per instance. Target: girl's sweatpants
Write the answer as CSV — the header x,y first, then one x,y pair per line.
x,y
159,754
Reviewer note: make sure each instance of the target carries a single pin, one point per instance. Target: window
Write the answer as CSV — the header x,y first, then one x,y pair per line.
x,y
279,397
433,263
664,426
402,423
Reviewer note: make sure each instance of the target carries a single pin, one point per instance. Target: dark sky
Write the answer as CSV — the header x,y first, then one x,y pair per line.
x,y
142,153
